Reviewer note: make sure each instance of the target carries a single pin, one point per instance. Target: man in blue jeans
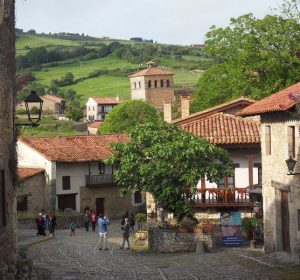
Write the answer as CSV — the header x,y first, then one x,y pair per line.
x,y
102,226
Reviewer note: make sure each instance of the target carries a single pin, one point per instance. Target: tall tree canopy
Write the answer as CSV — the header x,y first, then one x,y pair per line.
x,y
127,115
256,57
167,162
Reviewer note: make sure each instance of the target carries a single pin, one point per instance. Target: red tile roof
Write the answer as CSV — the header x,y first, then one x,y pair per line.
x,y
106,100
95,124
25,173
236,103
52,98
81,148
280,101
151,72
225,129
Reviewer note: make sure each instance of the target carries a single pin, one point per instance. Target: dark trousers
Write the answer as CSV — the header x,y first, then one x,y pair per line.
x,y
51,229
93,225
87,225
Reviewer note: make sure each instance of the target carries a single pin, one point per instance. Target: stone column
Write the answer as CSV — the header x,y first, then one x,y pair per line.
x,y
185,105
168,110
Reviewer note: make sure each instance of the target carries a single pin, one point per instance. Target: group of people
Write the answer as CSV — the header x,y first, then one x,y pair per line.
x,y
45,222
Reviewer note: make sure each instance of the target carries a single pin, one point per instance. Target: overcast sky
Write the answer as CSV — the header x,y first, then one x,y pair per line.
x,y
165,21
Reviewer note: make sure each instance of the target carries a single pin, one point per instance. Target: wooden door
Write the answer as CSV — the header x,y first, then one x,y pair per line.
x,y
67,201
100,206
285,222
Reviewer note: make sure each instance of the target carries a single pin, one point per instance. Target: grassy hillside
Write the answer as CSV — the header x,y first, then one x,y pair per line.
x,y
49,58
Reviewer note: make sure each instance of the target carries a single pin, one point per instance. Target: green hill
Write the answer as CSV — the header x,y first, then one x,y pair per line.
x,y
99,66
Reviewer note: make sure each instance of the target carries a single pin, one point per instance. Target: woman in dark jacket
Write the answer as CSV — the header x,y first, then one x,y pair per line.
x,y
52,223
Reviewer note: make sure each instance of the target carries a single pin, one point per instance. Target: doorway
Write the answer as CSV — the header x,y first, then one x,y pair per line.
x,y
100,206
285,222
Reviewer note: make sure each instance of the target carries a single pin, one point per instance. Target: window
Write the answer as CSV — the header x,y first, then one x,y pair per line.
x,y
101,167
161,83
155,83
2,200
91,118
259,170
268,139
137,197
168,83
149,84
229,182
134,85
291,141
22,203
66,183
140,84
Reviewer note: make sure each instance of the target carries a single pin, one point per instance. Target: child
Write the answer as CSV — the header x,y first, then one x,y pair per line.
x,y
72,227
126,231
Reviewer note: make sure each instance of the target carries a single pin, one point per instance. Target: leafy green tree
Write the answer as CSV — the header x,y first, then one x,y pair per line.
x,y
167,162
127,115
256,58
76,114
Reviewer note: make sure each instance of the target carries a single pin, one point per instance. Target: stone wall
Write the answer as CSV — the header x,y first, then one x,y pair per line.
x,y
61,221
171,240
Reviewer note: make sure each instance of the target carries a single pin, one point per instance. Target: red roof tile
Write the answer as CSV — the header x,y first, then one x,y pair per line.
x,y
106,100
230,105
81,148
25,173
280,101
225,129
151,72
95,124
52,98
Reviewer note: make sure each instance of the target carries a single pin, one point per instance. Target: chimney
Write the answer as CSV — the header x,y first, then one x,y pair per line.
x,y
185,105
168,110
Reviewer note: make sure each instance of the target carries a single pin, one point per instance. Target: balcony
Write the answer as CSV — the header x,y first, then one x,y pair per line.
x,y
219,197
99,180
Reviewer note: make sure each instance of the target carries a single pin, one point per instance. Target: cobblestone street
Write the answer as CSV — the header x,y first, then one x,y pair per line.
x,y
78,257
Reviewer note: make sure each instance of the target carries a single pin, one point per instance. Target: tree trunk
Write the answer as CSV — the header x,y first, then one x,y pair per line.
x,y
8,177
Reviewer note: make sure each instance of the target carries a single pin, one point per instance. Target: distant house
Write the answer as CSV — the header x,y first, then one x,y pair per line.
x,y
98,107
280,132
152,85
76,172
241,138
31,189
53,104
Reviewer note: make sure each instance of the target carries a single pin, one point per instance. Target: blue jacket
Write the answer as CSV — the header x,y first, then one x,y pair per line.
x,y
102,224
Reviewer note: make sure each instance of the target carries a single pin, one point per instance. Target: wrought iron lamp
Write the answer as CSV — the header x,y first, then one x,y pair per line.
x,y
291,166
34,106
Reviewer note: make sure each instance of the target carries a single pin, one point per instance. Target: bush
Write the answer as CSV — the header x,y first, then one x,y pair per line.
x,y
140,218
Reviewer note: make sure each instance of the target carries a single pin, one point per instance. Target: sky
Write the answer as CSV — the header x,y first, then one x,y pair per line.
x,y
181,22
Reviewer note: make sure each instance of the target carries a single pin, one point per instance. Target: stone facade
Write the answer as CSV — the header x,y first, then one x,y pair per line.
x,y
153,89
277,184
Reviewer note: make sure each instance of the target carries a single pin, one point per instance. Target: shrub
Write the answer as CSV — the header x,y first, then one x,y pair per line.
x,y
140,218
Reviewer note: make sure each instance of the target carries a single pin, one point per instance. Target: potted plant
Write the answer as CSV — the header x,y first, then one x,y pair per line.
x,y
140,219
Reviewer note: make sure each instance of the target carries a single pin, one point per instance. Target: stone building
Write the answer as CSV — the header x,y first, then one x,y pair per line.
x,y
31,193
8,177
152,85
98,107
280,127
77,176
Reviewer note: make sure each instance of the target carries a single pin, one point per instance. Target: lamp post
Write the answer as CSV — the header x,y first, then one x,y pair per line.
x,y
34,106
291,166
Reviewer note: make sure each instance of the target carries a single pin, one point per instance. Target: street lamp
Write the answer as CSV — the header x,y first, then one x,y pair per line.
x,y
291,166
33,105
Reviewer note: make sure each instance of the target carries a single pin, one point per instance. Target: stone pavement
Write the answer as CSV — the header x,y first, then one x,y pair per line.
x,y
78,257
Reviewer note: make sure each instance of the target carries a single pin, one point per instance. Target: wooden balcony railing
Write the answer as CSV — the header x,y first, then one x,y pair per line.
x,y
219,197
98,180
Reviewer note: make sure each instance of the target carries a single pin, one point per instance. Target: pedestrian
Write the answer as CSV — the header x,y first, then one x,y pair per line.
x,y
131,221
86,219
103,221
40,224
93,219
45,223
51,223
72,227
124,217
126,233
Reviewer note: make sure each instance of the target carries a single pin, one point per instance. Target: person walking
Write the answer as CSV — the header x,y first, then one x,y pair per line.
x,y
86,219
103,221
126,233
93,219
52,223
40,224
131,222
124,217
45,224
72,228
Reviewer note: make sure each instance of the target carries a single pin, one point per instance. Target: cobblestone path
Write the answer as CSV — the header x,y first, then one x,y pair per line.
x,y
78,257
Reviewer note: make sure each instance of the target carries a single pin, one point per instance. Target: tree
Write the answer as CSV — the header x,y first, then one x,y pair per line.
x,y
127,115
256,58
167,162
